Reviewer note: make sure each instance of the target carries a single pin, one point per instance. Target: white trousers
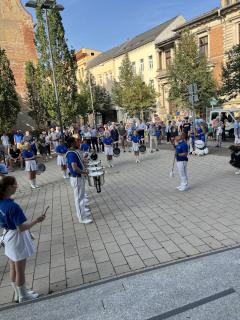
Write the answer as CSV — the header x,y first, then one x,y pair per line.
x,y
182,170
153,139
78,185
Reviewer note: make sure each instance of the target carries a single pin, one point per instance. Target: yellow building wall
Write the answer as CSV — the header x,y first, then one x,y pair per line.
x,y
82,62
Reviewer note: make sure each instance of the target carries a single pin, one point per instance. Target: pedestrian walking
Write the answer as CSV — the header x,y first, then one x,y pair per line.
x,y
30,164
94,139
77,173
61,151
169,131
182,160
16,238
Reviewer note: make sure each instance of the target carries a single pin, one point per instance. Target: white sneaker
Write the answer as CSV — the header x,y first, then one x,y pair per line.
x,y
37,186
33,187
85,220
183,188
179,187
237,172
111,165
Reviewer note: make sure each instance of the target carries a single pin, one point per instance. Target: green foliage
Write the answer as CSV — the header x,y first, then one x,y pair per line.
x,y
190,67
231,74
9,105
64,64
38,111
130,92
101,98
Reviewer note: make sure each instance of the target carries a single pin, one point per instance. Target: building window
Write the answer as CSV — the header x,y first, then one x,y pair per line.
x,y
160,60
92,53
100,80
203,46
134,67
141,65
150,62
168,57
110,76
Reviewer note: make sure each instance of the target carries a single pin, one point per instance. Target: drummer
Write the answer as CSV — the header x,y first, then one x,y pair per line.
x,y
108,146
30,164
61,151
77,174
136,138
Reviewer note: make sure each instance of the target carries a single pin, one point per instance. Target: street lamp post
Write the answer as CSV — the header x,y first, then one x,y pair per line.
x,y
91,95
50,4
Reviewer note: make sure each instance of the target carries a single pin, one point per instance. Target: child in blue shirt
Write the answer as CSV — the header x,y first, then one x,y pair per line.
x,y
108,147
135,145
61,151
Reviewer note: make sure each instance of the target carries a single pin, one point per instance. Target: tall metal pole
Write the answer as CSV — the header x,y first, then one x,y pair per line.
x,y
91,95
54,77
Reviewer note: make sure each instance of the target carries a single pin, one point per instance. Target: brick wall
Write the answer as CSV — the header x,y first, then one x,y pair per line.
x,y
217,50
16,37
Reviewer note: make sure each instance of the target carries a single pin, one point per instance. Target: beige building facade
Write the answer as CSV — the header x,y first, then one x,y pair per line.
x,y
142,54
216,31
83,56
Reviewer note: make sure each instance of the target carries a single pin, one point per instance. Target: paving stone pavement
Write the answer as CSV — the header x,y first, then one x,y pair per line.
x,y
140,220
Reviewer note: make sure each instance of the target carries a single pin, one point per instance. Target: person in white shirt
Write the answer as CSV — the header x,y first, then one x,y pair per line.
x,y
5,142
55,136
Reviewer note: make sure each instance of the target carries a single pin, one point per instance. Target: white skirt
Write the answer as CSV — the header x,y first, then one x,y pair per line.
x,y
108,150
61,160
18,245
30,165
135,147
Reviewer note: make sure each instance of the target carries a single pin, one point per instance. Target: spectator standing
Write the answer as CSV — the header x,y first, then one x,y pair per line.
x,y
169,131
18,138
152,131
237,130
94,139
5,142
122,135
114,134
186,127
15,157
87,136
27,137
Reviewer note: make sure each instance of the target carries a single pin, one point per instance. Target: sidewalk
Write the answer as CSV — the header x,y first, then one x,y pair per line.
x,y
200,289
140,220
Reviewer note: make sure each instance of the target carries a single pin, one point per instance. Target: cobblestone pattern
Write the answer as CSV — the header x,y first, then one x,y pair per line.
x,y
140,220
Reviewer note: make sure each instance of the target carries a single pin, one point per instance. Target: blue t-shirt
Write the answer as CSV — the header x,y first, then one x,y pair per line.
x,y
136,139
182,147
27,154
108,141
61,149
84,147
71,158
18,137
11,215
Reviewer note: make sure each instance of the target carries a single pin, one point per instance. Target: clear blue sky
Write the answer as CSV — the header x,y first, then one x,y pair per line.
x,y
102,24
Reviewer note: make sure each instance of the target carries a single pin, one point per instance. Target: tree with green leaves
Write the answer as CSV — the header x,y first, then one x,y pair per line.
x,y
101,98
130,92
64,64
231,74
190,66
9,104
38,111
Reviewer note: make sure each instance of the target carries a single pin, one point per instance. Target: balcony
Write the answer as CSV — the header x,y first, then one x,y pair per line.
x,y
161,74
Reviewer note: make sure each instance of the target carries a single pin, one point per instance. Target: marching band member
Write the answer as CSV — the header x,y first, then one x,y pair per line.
x,y
77,174
182,160
30,164
135,145
16,238
108,146
61,151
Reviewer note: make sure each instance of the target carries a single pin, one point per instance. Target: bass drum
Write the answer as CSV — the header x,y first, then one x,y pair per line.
x,y
116,152
142,148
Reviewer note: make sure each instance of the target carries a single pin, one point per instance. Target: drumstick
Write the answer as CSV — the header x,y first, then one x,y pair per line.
x,y
45,211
